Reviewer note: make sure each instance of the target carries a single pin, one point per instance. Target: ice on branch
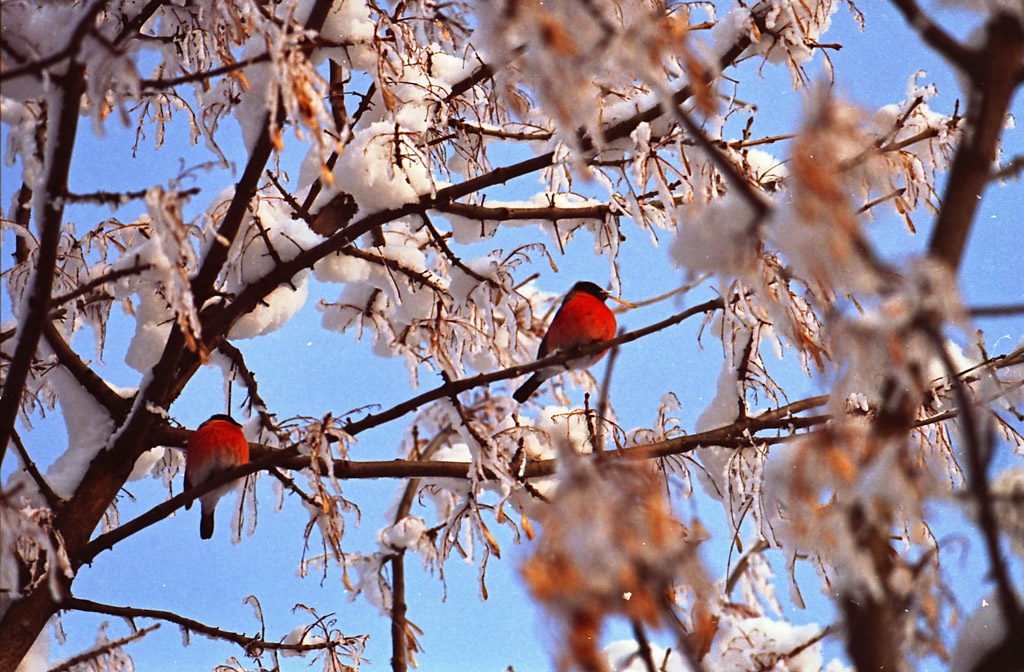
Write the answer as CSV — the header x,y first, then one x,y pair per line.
x,y
22,120
818,231
917,144
382,168
763,643
300,636
571,58
28,544
267,237
89,427
791,32
41,29
727,405
152,326
281,305
886,356
409,534
166,251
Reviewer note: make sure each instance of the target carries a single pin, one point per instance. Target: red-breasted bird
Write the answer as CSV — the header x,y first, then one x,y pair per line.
x,y
582,318
218,445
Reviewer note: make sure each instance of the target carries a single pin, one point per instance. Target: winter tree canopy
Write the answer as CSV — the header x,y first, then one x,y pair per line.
x,y
348,223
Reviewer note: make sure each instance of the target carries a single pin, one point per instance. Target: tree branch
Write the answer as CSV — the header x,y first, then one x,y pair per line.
x,y
559,358
52,499
267,459
74,44
736,435
993,83
97,651
105,395
82,290
50,219
245,190
978,449
252,645
250,297
503,214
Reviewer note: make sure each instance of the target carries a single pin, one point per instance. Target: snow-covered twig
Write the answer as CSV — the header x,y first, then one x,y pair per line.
x,y
117,405
101,650
64,127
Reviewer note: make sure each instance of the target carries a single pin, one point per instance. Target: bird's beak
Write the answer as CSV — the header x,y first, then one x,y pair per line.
x,y
622,301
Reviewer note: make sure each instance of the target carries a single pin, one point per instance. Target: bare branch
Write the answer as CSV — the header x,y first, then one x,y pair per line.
x,y
119,198
265,460
503,214
1011,169
1006,310
993,84
451,256
643,644
758,203
245,190
52,499
251,645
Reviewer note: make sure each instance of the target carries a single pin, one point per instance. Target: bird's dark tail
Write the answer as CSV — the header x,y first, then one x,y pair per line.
x,y
527,389
206,525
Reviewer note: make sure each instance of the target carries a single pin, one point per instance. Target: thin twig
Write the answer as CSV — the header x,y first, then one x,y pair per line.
x,y
978,449
993,83
643,644
1011,169
506,214
603,401
559,358
1005,310
250,644
102,649
119,197
52,499
741,565
112,276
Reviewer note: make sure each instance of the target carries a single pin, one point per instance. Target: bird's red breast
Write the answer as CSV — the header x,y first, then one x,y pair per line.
x,y
582,318
217,445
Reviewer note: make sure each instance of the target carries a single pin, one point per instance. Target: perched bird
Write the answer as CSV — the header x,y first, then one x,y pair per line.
x,y
582,318
218,445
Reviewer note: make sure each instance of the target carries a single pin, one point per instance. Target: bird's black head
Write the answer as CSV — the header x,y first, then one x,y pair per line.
x,y
225,418
589,288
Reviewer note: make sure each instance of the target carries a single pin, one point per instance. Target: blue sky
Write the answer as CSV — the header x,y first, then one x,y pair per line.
x,y
305,370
